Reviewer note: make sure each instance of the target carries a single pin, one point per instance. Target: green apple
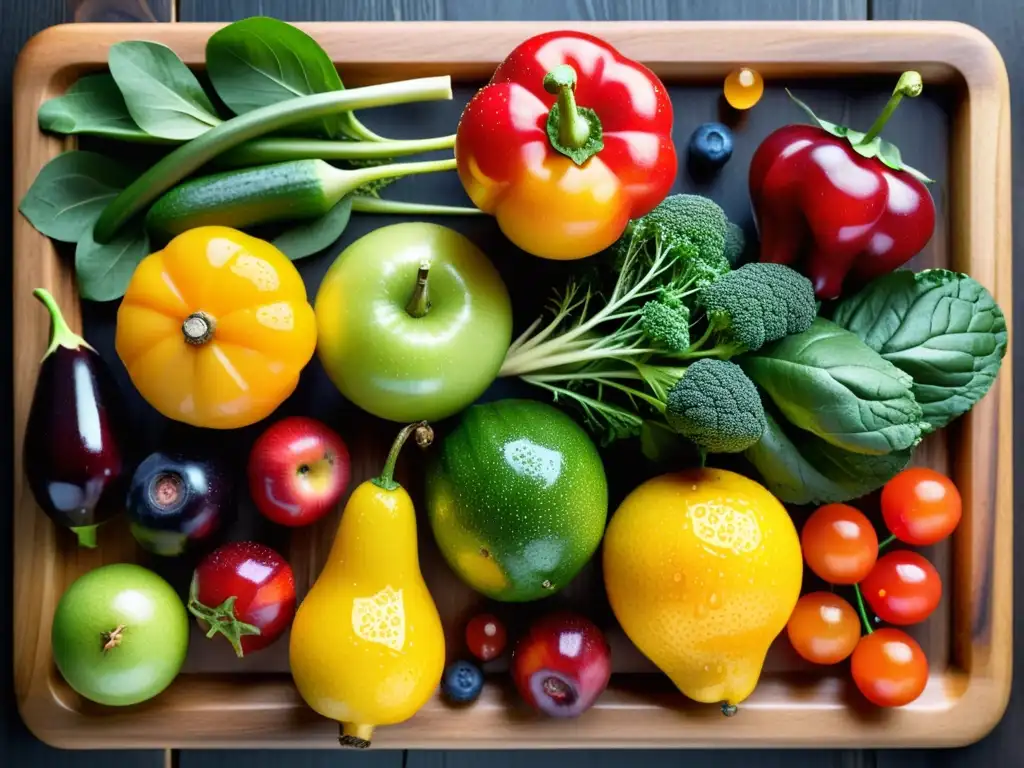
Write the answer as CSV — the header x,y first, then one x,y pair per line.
x,y
413,322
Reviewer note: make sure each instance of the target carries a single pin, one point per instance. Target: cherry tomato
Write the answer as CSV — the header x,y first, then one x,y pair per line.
x,y
823,628
902,588
889,667
246,592
921,506
839,544
485,636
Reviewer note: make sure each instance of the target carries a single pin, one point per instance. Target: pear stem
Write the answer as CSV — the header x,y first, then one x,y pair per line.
x,y
386,479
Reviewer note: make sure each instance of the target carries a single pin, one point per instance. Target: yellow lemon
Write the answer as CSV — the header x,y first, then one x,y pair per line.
x,y
703,569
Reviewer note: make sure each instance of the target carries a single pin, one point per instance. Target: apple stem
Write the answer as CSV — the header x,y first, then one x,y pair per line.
x,y
386,479
112,639
419,304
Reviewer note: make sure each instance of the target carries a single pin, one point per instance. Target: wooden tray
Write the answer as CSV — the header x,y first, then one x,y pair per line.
x,y
219,701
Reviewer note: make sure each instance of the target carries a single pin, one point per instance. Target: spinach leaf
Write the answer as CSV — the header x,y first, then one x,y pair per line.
x,y
260,60
103,270
799,468
162,95
941,327
313,236
92,105
829,382
70,192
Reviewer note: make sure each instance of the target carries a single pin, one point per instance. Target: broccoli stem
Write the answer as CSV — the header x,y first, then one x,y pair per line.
x,y
523,364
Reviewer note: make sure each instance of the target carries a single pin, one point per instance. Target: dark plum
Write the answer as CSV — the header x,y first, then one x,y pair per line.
x,y
75,446
179,504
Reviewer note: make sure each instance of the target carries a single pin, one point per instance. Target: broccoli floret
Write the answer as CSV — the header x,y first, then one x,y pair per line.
x,y
735,244
717,407
699,219
758,303
666,322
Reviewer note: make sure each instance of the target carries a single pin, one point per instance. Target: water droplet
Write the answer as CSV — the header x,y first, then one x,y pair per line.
x,y
677,577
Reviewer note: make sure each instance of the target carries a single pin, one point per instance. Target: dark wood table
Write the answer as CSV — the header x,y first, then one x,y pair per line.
x,y
1002,20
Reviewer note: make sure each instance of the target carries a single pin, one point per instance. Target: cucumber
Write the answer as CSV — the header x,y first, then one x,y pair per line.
x,y
293,190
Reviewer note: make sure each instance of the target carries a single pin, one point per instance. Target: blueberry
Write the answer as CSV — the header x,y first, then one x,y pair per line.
x,y
710,146
462,682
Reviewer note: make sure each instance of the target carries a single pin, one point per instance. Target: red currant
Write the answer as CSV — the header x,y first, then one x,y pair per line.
x,y
485,636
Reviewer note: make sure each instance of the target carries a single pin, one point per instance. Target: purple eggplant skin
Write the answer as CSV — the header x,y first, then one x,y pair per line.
x,y
74,450
180,504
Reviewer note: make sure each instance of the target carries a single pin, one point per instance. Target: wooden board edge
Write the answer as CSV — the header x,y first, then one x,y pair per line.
x,y
27,76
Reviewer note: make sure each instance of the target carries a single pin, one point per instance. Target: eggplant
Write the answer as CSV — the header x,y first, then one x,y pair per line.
x,y
179,504
75,446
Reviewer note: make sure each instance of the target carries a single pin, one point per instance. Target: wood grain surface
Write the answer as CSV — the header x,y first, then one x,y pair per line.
x,y
996,18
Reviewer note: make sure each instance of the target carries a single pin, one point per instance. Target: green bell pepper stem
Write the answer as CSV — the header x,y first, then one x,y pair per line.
x,y
189,157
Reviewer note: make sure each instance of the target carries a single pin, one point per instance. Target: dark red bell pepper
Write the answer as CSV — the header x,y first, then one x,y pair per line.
x,y
567,142
837,203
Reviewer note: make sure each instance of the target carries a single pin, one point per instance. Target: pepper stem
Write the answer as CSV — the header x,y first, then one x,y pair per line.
x,y
419,304
61,334
86,535
573,128
860,609
909,84
386,479
198,328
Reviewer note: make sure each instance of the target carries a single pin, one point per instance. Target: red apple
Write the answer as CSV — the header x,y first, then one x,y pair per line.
x,y
298,470
562,664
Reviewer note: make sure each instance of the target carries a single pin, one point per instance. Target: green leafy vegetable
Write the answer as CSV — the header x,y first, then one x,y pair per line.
x,y
70,192
313,236
103,271
800,468
162,95
829,382
93,105
261,61
943,328
620,338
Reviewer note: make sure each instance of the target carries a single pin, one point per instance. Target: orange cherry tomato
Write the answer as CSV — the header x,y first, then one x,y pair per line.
x,y
839,543
921,506
889,668
902,588
823,628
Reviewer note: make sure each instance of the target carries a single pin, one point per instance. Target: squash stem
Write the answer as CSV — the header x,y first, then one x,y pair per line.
x,y
192,155
386,479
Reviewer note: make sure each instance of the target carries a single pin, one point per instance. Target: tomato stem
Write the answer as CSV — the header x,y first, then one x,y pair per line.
x,y
887,542
860,609
221,619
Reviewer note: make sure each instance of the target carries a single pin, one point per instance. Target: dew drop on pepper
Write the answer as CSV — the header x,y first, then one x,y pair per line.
x,y
743,88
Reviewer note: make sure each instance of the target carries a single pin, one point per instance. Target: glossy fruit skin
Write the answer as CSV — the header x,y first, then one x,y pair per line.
x,y
517,499
698,554
921,506
824,209
710,147
824,628
903,588
75,440
485,636
542,200
889,668
298,470
462,682
562,665
261,583
839,544
198,506
367,647
253,300
404,368
143,658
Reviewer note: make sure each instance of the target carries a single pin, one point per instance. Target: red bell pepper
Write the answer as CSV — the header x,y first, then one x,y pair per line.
x,y
567,142
839,203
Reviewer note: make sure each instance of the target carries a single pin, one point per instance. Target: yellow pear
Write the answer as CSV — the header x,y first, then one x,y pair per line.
x,y
703,568
367,645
